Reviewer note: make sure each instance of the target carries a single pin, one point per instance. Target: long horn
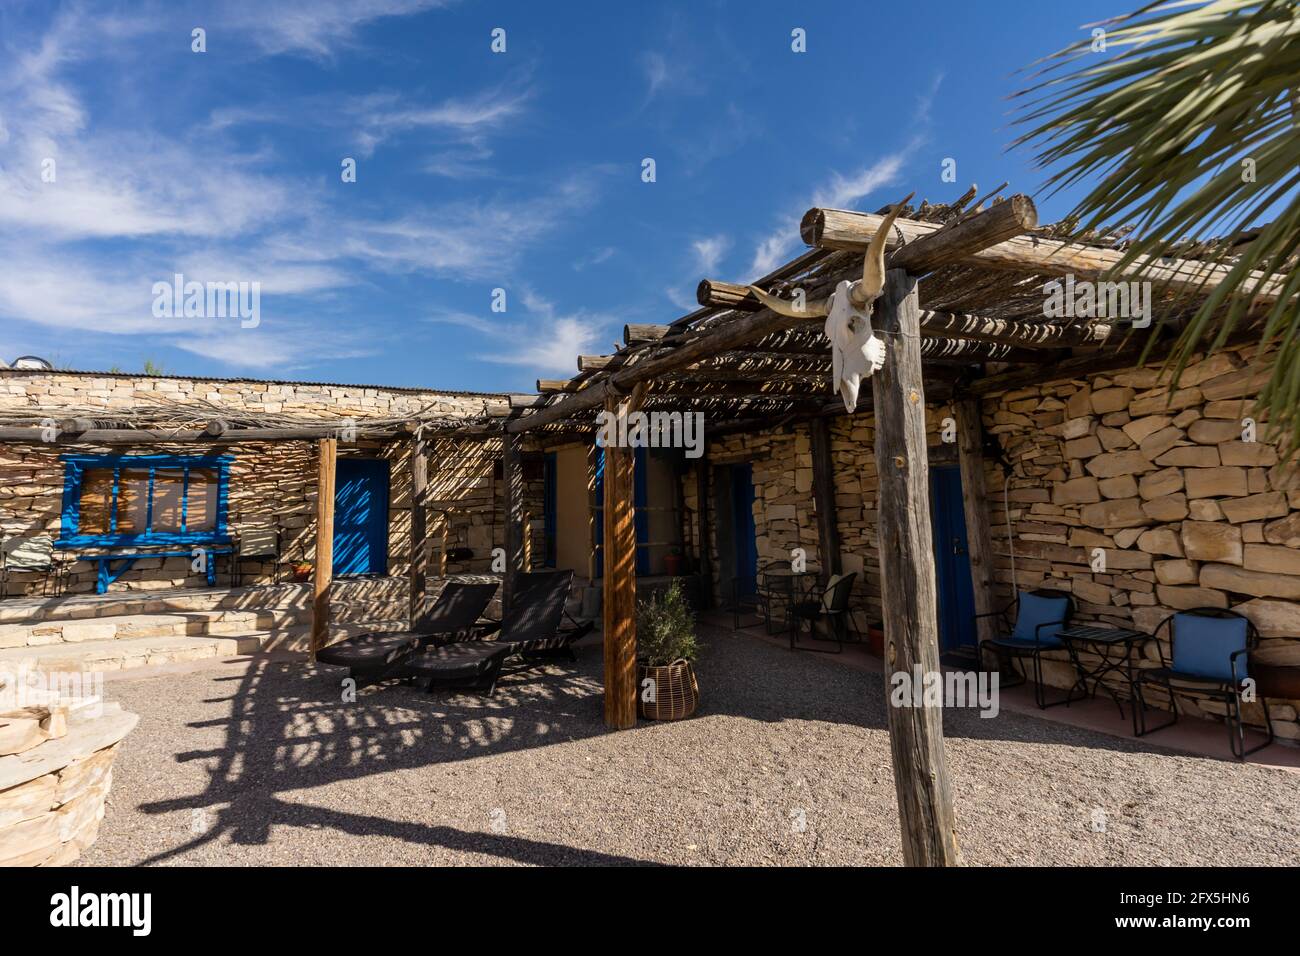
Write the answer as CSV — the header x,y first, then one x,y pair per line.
x,y
814,309
873,263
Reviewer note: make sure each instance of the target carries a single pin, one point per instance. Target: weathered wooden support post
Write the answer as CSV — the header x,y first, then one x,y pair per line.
x,y
513,475
323,570
705,569
823,475
974,500
419,466
619,615
908,579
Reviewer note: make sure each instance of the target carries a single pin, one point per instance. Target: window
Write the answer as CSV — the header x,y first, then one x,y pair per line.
x,y
162,499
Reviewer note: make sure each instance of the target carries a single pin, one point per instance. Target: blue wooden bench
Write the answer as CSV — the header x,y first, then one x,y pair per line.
x,y
126,560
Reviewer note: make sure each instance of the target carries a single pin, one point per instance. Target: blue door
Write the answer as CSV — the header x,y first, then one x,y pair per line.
x,y
360,516
951,560
742,524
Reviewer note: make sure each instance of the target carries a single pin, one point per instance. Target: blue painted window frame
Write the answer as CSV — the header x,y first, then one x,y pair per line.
x,y
74,471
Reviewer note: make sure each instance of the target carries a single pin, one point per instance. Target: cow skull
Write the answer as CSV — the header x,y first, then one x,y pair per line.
x,y
856,351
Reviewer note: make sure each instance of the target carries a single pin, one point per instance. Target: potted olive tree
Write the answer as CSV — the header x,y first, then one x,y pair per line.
x,y
666,651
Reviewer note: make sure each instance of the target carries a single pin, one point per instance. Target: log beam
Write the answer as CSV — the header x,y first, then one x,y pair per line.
x,y
975,502
619,611
637,334
705,568
966,237
908,579
512,474
823,474
942,324
323,569
846,229
28,434
693,349
419,467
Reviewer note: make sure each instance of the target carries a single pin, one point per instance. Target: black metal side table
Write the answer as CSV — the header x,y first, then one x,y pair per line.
x,y
1114,646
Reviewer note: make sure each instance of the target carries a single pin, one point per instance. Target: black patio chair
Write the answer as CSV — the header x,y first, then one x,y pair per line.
x,y
1030,624
1208,647
829,604
756,603
378,656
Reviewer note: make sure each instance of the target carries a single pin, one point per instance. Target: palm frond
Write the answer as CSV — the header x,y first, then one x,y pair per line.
x,y
1186,96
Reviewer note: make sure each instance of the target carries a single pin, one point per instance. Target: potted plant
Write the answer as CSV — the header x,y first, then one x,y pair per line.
x,y
666,650
673,562
302,570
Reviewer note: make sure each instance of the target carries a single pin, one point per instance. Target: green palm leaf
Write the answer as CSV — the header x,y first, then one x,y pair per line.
x,y
1186,97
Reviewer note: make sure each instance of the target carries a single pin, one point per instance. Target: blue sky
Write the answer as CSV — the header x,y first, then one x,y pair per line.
x,y
475,170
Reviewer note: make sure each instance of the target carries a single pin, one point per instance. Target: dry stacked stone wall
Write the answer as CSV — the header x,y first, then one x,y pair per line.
x,y
1136,501
272,485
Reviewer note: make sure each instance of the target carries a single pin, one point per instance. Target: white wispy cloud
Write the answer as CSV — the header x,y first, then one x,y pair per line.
x,y
844,190
466,239
314,28
263,348
545,339
707,253
841,191
595,258
380,116
130,206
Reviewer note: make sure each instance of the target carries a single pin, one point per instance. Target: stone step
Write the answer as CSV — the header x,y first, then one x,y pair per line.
x,y
131,626
135,652
138,652
379,595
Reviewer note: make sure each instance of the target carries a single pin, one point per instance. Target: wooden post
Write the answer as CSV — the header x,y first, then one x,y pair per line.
x,y
323,571
513,475
908,580
974,500
705,569
620,579
823,469
419,545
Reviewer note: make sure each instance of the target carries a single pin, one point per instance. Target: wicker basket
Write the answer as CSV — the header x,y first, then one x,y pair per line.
x,y
675,692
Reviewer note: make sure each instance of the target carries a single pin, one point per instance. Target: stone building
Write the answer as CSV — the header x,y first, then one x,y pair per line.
x,y
65,490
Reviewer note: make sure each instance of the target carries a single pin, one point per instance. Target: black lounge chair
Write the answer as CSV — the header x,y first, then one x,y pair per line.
x,y
378,656
532,628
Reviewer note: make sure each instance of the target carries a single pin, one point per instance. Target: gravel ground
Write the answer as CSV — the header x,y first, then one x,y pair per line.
x,y
787,762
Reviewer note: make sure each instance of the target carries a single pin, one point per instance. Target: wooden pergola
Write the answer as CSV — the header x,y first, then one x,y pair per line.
x,y
206,424
962,315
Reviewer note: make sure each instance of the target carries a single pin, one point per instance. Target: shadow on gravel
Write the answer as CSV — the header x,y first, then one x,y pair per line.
x,y
288,728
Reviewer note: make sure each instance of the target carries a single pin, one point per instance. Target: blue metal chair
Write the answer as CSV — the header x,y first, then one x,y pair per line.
x,y
1208,647
1030,623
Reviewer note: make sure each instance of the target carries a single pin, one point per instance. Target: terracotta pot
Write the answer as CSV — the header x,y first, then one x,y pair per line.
x,y
673,564
302,572
672,688
876,640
